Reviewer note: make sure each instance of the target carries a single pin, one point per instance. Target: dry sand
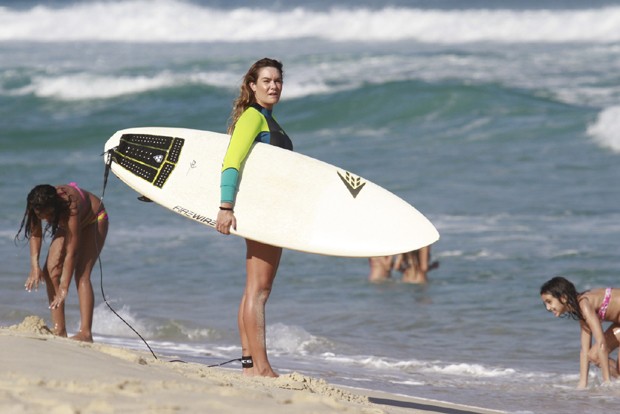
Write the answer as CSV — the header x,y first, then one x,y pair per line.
x,y
41,373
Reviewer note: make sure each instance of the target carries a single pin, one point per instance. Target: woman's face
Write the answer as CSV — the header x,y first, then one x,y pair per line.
x,y
268,87
553,304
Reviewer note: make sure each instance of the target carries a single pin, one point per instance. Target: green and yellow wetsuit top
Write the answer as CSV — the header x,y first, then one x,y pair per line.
x,y
256,124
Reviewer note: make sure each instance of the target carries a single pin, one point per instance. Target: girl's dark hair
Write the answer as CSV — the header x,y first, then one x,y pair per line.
x,y
563,290
41,198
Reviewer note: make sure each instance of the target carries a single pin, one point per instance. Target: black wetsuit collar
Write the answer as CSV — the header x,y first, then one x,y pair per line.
x,y
262,109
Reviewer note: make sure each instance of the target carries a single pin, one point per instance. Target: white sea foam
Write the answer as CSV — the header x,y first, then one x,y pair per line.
x,y
475,370
149,21
606,129
89,85
107,323
83,82
86,86
290,339
428,367
170,348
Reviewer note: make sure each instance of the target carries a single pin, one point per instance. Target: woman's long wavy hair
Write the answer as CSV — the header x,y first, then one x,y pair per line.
x,y
246,94
563,290
42,198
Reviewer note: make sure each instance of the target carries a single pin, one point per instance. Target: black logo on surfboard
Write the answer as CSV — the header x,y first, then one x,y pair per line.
x,y
353,183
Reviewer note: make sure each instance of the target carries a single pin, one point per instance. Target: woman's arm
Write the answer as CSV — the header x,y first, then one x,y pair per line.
x,y
36,235
72,240
584,361
398,261
246,129
599,351
423,255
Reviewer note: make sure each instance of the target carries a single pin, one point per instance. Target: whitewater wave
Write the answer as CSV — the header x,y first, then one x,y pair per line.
x,y
293,340
605,130
301,81
106,323
90,86
149,21
474,370
429,367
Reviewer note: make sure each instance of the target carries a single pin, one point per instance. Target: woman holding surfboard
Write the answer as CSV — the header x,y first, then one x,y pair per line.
x,y
252,121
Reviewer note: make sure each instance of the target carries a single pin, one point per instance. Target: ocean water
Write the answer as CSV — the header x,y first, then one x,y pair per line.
x,y
498,120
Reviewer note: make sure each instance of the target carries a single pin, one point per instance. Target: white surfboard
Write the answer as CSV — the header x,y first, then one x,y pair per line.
x,y
284,199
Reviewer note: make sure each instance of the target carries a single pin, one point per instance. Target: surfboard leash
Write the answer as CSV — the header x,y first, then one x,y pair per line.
x,y
227,362
108,165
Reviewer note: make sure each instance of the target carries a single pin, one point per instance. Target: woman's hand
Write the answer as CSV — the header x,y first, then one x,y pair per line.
x,y
225,220
59,299
34,278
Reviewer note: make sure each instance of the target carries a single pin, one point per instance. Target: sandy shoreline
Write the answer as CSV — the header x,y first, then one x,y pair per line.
x,y
43,373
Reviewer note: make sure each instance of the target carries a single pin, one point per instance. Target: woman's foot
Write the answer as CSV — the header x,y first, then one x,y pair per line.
x,y
252,372
83,337
62,332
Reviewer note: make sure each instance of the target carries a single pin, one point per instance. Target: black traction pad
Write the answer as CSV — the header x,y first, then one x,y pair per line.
x,y
151,157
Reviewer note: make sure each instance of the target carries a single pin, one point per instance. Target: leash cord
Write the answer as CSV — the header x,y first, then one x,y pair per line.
x,y
108,164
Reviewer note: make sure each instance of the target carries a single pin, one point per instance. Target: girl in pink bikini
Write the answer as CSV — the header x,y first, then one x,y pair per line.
x,y
78,225
591,308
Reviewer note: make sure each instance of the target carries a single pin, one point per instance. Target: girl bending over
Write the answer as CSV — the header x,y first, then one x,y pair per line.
x,y
78,225
590,308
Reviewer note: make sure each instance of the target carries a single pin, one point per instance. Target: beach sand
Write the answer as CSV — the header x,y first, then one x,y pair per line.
x,y
42,373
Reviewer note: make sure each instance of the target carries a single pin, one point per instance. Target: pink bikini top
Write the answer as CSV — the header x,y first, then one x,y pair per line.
x,y
74,185
603,309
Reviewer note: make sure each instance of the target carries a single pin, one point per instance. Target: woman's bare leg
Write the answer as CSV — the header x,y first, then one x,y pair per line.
x,y
93,238
245,345
612,338
262,262
52,270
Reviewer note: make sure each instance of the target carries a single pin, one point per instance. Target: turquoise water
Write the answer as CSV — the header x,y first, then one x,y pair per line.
x,y
499,122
